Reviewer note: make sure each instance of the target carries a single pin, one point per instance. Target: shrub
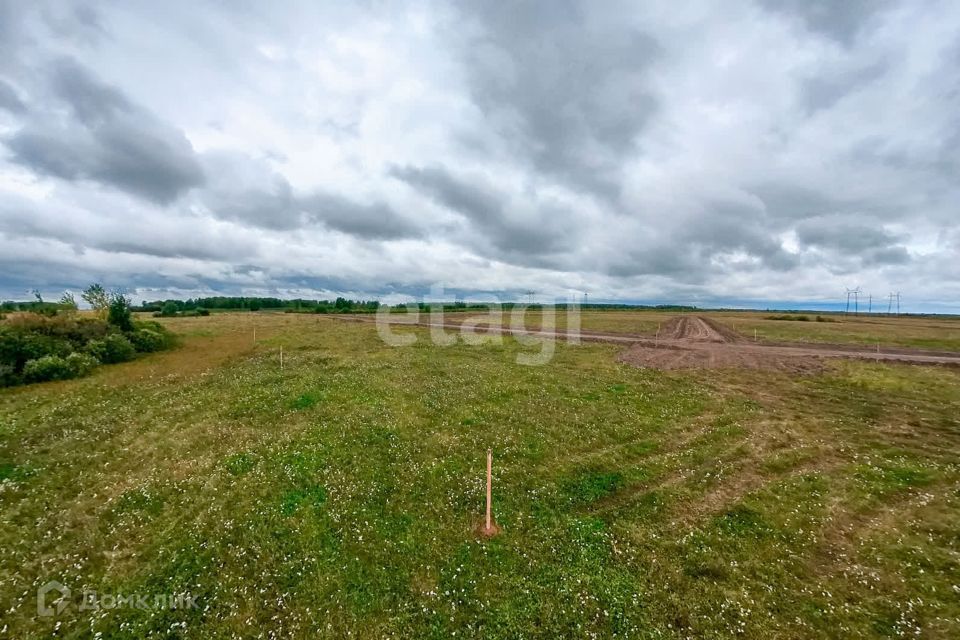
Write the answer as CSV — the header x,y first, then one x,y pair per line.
x,y
78,331
47,368
118,313
17,347
203,312
8,376
148,340
113,348
81,363
168,310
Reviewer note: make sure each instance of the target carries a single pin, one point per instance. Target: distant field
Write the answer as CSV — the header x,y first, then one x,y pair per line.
x,y
918,332
342,493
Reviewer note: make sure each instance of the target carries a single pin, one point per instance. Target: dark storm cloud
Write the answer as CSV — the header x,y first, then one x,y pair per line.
x,y
726,227
476,203
165,238
105,138
693,248
81,23
570,98
840,20
374,221
251,192
854,237
658,260
887,256
9,99
823,91
791,202
843,234
524,235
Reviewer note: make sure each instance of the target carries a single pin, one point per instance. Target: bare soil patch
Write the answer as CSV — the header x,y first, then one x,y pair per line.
x,y
692,342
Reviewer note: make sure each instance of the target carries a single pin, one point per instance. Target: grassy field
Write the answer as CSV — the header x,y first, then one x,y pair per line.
x,y
906,331
341,495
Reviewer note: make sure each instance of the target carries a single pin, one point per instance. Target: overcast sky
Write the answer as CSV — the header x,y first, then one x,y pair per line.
x,y
697,152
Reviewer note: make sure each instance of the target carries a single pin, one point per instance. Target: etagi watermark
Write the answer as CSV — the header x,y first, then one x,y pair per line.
x,y
482,322
54,598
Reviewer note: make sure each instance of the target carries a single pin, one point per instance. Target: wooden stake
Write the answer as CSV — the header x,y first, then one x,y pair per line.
x,y
254,335
489,485
754,335
281,358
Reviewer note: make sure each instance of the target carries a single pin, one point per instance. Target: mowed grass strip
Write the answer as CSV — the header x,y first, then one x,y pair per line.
x,y
342,494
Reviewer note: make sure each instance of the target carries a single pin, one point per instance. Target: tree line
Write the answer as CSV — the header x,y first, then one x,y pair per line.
x,y
244,303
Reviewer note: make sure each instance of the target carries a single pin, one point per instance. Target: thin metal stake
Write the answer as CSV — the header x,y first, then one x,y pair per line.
x,y
489,485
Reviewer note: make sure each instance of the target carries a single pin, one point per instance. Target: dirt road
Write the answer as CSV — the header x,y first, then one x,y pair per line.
x,y
686,342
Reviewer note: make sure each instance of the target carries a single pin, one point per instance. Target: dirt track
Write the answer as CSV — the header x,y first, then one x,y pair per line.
x,y
695,342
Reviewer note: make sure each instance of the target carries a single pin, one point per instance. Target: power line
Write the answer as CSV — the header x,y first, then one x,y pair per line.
x,y
893,296
856,300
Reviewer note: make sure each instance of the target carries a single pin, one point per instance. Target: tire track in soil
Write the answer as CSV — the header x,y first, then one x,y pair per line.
x,y
695,342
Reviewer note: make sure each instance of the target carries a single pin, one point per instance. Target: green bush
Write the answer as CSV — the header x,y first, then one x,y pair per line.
x,y
8,376
118,313
47,368
113,348
148,340
168,310
81,363
18,346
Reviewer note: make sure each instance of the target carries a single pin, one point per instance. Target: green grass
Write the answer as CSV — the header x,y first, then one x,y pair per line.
x,y
343,494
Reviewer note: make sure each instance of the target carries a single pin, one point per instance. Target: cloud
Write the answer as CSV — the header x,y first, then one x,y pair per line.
x,y
104,138
9,99
251,192
745,152
565,93
840,21
514,230
825,89
844,233
365,220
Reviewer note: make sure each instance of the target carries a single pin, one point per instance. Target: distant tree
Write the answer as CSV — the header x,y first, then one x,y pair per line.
x,y
169,309
118,312
98,298
68,302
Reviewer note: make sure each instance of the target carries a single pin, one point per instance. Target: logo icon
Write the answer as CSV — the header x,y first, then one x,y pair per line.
x,y
60,599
